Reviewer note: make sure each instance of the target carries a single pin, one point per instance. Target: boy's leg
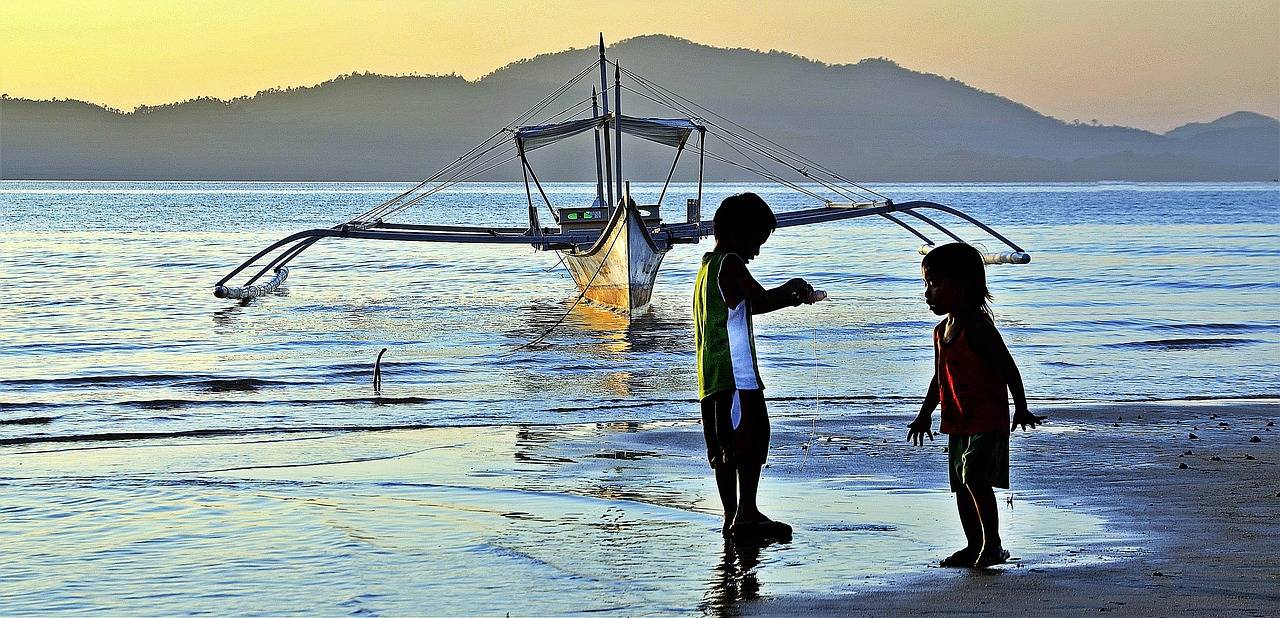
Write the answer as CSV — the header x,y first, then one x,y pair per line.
x,y
748,483
752,439
715,413
726,477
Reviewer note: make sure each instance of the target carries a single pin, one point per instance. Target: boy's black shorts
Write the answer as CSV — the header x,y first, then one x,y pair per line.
x,y
746,445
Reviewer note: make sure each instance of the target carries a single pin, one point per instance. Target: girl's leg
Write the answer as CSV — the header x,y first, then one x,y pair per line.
x,y
972,525
984,498
969,520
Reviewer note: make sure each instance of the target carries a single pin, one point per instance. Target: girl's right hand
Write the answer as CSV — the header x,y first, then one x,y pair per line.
x,y
919,428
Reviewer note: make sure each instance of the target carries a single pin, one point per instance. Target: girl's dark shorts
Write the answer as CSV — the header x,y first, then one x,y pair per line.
x,y
746,445
979,459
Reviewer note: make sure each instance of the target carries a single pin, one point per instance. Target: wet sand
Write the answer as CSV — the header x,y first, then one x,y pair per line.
x,y
1204,537
621,518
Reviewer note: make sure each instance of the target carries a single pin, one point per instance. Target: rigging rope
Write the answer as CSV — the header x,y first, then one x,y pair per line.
x,y
777,147
727,136
390,206
465,173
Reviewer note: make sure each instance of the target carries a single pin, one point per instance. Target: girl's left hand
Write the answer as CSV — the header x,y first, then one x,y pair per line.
x,y
919,428
1024,418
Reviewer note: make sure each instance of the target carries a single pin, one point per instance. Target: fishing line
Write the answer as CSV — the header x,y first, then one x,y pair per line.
x,y
813,417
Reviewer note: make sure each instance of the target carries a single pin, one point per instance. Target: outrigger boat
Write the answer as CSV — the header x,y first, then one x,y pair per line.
x,y
613,247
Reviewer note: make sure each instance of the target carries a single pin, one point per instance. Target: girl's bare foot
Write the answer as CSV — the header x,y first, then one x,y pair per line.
x,y
990,557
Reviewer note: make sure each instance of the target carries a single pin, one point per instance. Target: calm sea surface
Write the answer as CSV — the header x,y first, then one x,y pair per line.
x,y
109,325
109,331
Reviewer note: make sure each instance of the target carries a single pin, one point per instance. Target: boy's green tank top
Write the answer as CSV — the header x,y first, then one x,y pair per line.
x,y
720,332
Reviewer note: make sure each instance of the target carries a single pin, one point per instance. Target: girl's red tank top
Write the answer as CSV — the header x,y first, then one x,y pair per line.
x,y
974,396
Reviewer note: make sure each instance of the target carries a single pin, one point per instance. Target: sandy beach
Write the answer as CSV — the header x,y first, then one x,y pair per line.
x,y
621,518
1197,538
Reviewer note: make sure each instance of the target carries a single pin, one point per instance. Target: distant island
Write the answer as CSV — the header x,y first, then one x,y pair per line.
x,y
871,121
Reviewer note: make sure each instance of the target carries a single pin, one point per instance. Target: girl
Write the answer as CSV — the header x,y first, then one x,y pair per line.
x,y
972,378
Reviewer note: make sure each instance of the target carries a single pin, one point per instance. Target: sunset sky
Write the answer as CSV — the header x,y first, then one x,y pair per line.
x,y
1149,64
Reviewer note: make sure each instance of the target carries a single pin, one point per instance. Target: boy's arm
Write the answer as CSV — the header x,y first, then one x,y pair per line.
x,y
737,284
923,424
987,342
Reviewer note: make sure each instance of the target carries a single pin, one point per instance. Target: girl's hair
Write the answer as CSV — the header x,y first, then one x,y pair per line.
x,y
962,265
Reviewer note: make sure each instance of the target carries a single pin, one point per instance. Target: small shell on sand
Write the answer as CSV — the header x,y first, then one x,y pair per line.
x,y
1255,439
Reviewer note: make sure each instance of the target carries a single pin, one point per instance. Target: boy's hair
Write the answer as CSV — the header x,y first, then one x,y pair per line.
x,y
743,213
962,265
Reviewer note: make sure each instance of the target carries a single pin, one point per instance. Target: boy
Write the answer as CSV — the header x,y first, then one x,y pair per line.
x,y
735,422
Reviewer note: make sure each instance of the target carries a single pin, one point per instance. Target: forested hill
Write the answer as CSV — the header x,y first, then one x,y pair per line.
x,y
872,120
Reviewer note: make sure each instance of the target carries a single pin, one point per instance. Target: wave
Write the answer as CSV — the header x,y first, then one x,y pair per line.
x,y
120,436
211,383
171,404
1185,343
1257,397
31,420
1226,328
131,380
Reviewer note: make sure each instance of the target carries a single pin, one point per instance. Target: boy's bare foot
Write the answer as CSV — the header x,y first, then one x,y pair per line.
x,y
963,558
991,557
762,527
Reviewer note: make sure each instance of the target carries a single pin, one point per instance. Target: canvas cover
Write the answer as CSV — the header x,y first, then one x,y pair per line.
x,y
668,131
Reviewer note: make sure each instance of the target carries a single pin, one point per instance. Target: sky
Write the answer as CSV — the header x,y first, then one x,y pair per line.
x,y
1152,64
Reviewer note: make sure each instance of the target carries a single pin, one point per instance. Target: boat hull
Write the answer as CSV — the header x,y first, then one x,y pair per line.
x,y
619,270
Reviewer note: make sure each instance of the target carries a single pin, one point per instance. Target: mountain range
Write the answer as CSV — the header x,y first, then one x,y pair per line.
x,y
873,120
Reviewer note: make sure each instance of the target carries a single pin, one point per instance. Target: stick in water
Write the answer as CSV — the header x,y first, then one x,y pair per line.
x,y
377,373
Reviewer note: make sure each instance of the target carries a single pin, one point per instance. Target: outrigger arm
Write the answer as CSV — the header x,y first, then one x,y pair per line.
x,y
688,232
552,239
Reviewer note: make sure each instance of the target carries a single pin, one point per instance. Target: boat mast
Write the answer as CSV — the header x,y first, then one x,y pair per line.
x,y
617,109
604,103
595,111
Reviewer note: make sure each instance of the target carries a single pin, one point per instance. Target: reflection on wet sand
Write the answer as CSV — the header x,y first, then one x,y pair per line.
x,y
733,579
633,474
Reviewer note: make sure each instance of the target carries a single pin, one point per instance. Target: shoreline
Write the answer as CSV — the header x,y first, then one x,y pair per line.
x,y
1099,505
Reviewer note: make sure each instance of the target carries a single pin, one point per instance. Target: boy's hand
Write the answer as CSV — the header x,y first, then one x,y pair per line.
x,y
919,428
799,291
1024,418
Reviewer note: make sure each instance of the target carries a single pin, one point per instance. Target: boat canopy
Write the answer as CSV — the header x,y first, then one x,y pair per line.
x,y
667,131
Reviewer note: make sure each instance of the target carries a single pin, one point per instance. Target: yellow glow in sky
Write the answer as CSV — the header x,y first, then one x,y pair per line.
x,y
1150,64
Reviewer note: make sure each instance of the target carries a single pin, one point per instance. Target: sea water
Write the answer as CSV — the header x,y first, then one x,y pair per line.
x,y
111,338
